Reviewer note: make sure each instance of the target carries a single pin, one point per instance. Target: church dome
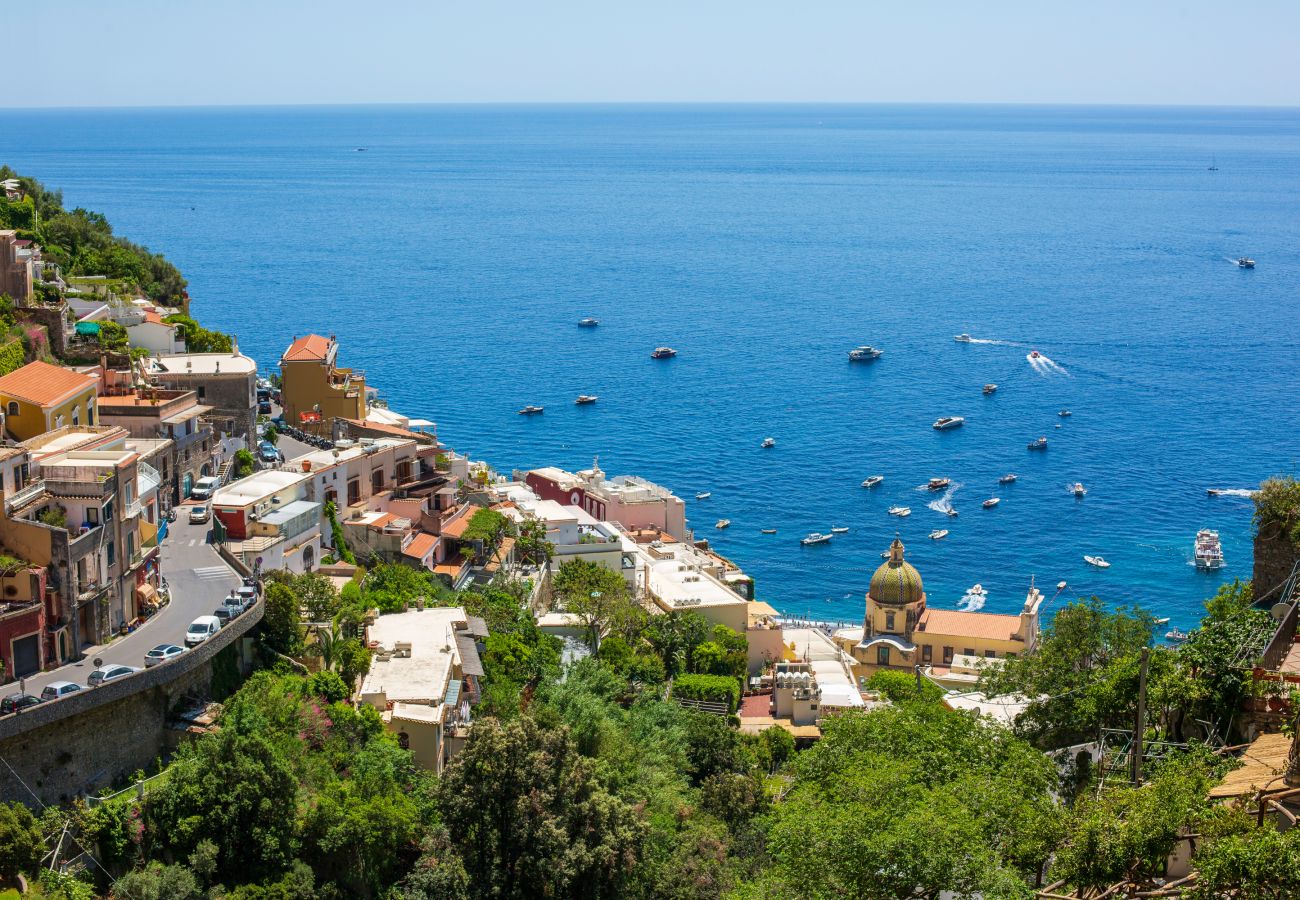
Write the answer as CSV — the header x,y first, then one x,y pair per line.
x,y
896,582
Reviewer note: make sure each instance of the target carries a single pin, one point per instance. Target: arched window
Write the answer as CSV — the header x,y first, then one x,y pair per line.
x,y
889,621
13,408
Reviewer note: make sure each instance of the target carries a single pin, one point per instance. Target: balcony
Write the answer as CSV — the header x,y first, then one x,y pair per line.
x,y
147,480
25,494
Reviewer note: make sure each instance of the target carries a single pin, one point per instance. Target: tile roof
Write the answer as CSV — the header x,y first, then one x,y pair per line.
x,y
43,384
153,318
381,428
313,346
953,622
420,545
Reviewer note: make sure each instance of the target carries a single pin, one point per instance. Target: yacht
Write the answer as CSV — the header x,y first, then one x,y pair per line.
x,y
1174,636
900,511
531,410
584,399
704,495
769,531
1039,443
588,322
990,388
872,481
991,502
938,484
1078,489
839,530
962,338
1065,414
768,442
864,353
944,422
723,523
1245,262
938,534
1096,561
663,353
815,538
1209,552
1009,478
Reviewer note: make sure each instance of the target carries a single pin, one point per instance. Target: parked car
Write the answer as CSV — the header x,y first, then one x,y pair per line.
x,y
15,702
204,488
279,423
200,514
264,407
247,595
161,654
267,453
225,613
201,629
110,673
56,689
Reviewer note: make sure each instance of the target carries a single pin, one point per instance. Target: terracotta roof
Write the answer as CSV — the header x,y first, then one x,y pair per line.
x,y
420,545
43,384
451,566
394,430
456,527
969,624
313,346
154,318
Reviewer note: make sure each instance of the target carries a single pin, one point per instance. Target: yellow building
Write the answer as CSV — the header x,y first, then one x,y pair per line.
x,y
314,390
40,397
899,631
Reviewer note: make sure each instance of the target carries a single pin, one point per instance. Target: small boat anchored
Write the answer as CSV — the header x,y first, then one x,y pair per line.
x,y
865,353
723,523
584,399
531,410
1209,552
663,353
588,322
1163,620
769,531
1245,262
815,538
938,484
768,442
1039,443
1078,489
900,511
945,422
991,502
872,481
990,388
1009,478
839,529
704,495
1096,561
938,534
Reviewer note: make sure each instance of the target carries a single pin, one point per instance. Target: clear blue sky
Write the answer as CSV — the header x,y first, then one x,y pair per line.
x,y
197,52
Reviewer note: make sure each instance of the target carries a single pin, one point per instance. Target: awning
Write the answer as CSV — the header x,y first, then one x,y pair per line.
x,y
87,328
453,693
469,661
308,417
893,640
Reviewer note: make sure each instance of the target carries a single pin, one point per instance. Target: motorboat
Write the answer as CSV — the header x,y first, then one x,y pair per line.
x,y
1175,636
938,484
815,538
723,523
1164,620
990,388
839,529
1061,585
663,353
1065,414
1209,552
768,442
976,591
963,338
1214,492
588,322
584,399
704,495
950,512
991,502
872,481
865,353
1078,489
531,410
1034,354
1245,262
900,511
769,531
945,422
1096,561
1039,443
938,534
1009,478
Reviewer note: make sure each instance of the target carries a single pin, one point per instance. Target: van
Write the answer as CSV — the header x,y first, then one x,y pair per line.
x,y
204,488
201,629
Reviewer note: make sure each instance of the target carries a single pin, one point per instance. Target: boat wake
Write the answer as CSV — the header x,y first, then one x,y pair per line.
x,y
1044,366
1235,492
944,502
971,602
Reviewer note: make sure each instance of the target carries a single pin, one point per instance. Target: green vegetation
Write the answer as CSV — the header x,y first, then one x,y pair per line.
x,y
710,688
12,356
487,528
533,547
53,516
245,464
112,337
199,339
1277,505
336,533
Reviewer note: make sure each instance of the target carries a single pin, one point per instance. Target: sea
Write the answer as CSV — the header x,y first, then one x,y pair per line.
x,y
453,249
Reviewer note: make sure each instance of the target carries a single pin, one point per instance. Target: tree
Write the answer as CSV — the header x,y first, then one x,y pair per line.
x,y
271,435
533,546
901,687
726,654
21,846
530,817
487,528
598,596
158,882
281,624
392,587
317,595
1241,860
675,637
244,463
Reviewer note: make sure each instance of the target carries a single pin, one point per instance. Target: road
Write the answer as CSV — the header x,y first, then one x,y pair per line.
x,y
199,579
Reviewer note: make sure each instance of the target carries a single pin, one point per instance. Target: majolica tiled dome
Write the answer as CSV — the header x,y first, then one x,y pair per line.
x,y
896,583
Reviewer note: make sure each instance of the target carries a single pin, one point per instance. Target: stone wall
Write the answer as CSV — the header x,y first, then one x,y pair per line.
x,y
54,319
1275,555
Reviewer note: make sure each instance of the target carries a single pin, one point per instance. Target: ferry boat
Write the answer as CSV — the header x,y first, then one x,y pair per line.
x,y
1039,443
1009,478
584,399
991,502
723,523
815,538
840,529
663,353
704,495
945,422
1175,636
938,534
1245,262
1078,489
531,410
768,442
1096,561
588,322
864,353
1209,552
990,388
938,484
963,338
872,481
900,511
1065,414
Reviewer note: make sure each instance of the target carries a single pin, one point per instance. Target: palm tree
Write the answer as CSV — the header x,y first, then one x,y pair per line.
x,y
327,645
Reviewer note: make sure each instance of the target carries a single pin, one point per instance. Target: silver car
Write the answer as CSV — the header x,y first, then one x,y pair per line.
x,y
161,654
110,673
56,689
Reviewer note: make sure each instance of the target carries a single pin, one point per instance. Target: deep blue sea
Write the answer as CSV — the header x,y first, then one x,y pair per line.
x,y
454,256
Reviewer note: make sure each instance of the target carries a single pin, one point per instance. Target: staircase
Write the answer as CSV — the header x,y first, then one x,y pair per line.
x,y
223,473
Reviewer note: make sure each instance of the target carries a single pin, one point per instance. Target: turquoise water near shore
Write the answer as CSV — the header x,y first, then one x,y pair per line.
x,y
454,256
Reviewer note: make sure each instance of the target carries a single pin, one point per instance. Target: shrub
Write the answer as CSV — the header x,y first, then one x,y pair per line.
x,y
710,688
1277,502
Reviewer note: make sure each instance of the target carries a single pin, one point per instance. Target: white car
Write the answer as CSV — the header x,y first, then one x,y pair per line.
x,y
109,673
201,629
56,689
161,654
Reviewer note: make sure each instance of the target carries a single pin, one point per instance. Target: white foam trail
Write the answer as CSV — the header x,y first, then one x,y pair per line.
x,y
994,342
971,603
1044,366
1236,492
944,503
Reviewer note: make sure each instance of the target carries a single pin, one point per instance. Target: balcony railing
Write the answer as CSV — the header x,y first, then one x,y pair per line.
x,y
25,494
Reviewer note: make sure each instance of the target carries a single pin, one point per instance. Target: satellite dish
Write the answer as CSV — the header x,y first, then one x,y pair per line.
x,y
1279,611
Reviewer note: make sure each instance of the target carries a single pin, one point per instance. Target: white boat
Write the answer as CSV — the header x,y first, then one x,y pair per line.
x,y
584,399
768,442
1038,444
588,322
531,410
938,484
963,338
976,591
900,511
990,388
769,531
1245,262
1096,561
865,353
945,422
991,502
1065,414
938,534
703,495
1164,620
815,538
839,529
723,523
1009,478
1174,636
1078,489
872,481
663,353
1209,552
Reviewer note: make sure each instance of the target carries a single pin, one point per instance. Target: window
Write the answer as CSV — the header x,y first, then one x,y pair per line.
x,y
130,544
13,408
882,655
990,654
111,550
889,621
1011,656
947,655
92,515
354,491
90,412
76,415
377,480
969,651
202,392
927,653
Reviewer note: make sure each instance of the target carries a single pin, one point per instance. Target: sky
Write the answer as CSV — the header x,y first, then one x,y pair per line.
x,y
244,52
